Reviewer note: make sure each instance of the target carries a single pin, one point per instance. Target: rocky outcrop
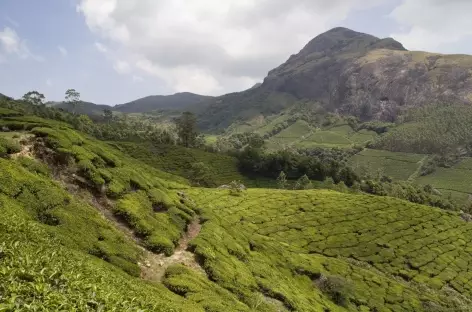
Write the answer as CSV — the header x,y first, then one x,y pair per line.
x,y
351,73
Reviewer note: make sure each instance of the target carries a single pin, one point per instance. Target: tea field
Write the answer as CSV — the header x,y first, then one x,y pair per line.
x,y
399,166
386,254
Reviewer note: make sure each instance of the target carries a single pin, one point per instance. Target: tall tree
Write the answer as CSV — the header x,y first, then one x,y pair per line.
x,y
108,115
73,98
34,98
187,129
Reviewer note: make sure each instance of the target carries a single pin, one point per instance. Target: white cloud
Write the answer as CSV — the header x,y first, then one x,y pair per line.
x,y
63,51
100,47
433,24
122,67
211,46
12,45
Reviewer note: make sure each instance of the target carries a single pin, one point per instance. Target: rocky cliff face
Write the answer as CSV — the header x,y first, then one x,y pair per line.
x,y
351,73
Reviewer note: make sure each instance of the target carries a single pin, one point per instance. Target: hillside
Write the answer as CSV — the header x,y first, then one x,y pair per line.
x,y
87,225
86,108
178,102
351,73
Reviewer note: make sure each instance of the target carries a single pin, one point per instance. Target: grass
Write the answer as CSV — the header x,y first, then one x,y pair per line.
x,y
399,166
394,255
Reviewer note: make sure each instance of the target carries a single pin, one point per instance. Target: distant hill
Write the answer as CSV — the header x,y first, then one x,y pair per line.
x,y
86,108
178,101
351,73
175,102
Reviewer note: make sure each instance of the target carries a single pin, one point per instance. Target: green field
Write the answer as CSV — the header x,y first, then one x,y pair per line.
x,y
363,136
394,255
457,179
399,166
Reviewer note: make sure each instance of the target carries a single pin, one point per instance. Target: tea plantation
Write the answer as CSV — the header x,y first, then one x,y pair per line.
x,y
389,254
81,220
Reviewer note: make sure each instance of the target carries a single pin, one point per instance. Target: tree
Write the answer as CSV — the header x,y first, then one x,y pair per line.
x,y
200,175
303,183
187,129
108,114
282,180
34,98
72,98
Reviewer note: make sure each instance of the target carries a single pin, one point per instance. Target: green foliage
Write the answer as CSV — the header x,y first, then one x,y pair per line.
x,y
303,183
34,98
200,175
8,146
236,188
296,164
34,166
434,129
282,180
178,160
337,288
187,129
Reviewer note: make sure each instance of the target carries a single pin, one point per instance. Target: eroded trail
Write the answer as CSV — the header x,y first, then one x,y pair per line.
x,y
154,266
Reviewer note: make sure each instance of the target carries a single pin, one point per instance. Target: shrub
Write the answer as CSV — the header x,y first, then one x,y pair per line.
x,y
9,147
303,183
160,244
336,288
236,188
282,180
34,166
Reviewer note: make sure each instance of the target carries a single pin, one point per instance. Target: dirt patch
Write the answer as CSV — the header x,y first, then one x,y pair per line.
x,y
26,151
154,266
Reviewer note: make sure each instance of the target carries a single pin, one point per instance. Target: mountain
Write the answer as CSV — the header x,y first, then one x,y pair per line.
x,y
351,73
86,108
175,102
178,101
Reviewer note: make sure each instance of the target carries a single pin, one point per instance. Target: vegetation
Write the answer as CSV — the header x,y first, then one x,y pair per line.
x,y
82,220
436,129
187,129
323,250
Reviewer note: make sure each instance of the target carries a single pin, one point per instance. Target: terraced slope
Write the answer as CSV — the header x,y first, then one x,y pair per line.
x,y
389,254
178,160
397,165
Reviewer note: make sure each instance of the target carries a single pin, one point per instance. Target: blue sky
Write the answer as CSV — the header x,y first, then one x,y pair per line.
x,y
114,51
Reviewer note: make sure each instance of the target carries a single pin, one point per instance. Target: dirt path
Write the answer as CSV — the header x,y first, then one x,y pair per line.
x,y
154,266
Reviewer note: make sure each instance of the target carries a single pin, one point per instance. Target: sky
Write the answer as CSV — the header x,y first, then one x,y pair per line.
x,y
115,51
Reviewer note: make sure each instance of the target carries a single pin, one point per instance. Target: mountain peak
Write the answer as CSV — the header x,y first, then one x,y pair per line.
x,y
341,39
